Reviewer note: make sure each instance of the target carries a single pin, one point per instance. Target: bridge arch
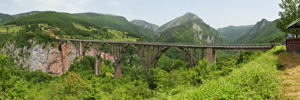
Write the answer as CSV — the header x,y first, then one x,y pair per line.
x,y
187,55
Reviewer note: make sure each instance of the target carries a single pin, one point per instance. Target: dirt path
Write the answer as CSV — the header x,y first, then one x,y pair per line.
x,y
291,83
290,75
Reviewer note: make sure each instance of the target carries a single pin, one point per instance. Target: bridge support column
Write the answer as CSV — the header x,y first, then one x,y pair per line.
x,y
97,47
97,65
118,72
238,54
211,55
82,49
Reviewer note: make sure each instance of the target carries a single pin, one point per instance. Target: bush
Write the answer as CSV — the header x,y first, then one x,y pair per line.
x,y
257,79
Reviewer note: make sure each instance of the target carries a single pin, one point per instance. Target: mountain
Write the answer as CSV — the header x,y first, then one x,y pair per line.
x,y
262,32
189,29
179,21
64,21
146,25
25,14
66,25
116,22
234,32
5,18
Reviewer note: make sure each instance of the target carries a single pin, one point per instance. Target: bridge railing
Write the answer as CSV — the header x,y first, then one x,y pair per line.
x,y
183,44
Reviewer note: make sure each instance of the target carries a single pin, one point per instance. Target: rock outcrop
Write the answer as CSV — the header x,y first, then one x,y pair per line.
x,y
45,57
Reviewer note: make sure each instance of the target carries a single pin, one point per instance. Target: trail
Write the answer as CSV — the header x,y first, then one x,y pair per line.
x,y
290,75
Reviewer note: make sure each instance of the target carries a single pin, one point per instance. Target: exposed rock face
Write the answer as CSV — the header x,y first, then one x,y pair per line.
x,y
46,58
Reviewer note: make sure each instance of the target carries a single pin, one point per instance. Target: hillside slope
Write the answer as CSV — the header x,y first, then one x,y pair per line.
x,y
66,25
189,29
234,32
263,32
116,22
5,18
146,25
178,21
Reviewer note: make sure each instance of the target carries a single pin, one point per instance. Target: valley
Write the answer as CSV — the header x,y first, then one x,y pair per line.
x,y
59,55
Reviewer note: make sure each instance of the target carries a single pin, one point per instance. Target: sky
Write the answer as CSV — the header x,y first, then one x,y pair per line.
x,y
216,13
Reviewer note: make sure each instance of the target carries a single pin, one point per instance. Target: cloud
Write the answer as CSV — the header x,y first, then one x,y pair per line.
x,y
113,3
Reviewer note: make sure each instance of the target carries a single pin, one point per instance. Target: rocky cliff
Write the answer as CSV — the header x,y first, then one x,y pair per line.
x,y
45,57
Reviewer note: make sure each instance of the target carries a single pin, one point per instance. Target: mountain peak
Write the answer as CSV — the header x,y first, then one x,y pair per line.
x,y
187,17
190,16
146,25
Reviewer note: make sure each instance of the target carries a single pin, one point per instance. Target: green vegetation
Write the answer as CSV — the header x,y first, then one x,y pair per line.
x,y
234,32
257,79
229,78
263,32
117,23
144,24
5,18
186,33
288,15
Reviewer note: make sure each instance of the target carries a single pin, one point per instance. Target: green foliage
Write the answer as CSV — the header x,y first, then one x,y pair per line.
x,y
5,18
234,32
57,20
277,50
172,79
288,15
185,33
257,79
74,84
84,67
263,32
247,56
118,23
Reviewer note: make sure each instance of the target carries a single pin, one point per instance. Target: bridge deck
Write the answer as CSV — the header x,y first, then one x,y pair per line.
x,y
226,47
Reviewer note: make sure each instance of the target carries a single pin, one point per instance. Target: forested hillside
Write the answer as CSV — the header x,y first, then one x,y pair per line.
x,y
234,32
189,28
5,18
146,25
117,23
263,32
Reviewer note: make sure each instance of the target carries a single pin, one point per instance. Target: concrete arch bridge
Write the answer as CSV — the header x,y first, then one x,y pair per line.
x,y
151,52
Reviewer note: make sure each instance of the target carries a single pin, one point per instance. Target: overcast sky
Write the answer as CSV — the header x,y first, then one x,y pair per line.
x,y
216,13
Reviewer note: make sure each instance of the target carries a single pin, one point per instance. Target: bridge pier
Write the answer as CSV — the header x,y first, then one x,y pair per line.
x,y
238,54
118,72
151,52
97,47
82,49
211,55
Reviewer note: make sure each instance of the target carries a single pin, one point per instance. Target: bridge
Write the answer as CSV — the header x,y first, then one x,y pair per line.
x,y
151,52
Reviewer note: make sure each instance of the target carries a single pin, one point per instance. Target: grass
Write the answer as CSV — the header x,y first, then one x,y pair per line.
x,y
78,26
290,75
258,79
12,28
118,36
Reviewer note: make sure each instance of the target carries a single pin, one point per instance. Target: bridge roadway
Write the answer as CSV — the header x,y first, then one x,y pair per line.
x,y
150,52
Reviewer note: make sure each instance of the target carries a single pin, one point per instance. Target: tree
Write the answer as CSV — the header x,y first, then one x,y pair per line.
x,y
74,84
289,14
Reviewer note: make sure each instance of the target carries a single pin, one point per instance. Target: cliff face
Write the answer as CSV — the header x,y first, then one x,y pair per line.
x,y
44,57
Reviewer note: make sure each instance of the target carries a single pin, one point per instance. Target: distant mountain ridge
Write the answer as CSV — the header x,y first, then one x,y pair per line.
x,y
189,28
146,25
115,22
262,32
5,18
179,21
234,32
